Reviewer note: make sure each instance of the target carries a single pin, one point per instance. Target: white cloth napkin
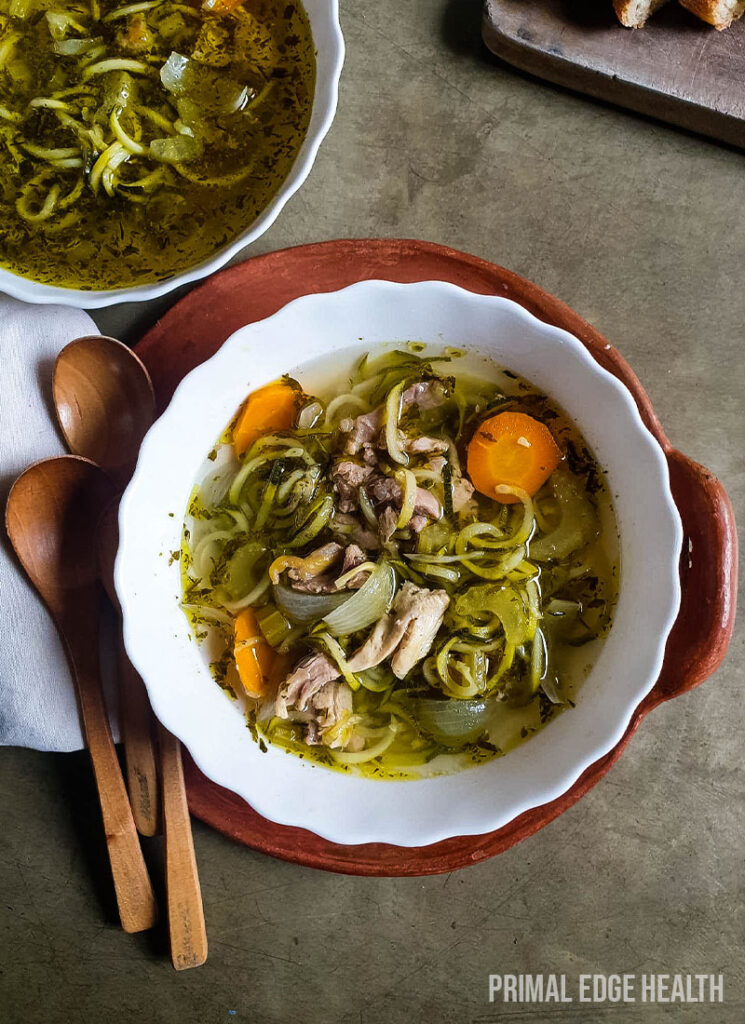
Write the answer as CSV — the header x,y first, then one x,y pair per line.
x,y
38,707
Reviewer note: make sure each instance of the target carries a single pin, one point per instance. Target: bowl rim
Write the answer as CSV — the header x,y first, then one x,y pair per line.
x,y
326,26
361,293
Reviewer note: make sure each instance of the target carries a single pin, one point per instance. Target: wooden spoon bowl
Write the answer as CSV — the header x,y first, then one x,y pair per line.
x,y
104,402
51,517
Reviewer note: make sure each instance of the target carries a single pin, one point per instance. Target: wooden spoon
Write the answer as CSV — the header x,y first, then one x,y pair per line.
x,y
52,512
105,405
185,911
104,402
136,715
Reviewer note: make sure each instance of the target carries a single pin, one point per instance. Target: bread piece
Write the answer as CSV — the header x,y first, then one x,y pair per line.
x,y
634,13
719,13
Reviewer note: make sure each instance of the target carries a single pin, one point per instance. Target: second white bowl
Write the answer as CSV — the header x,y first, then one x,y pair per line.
x,y
329,44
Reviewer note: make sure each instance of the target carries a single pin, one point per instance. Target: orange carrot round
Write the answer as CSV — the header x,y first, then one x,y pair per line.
x,y
511,449
270,408
254,658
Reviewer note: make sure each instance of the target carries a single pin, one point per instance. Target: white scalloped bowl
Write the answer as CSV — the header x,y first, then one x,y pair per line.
x,y
340,807
329,44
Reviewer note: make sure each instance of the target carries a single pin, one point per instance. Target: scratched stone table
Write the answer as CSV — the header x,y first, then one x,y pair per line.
x,y
641,228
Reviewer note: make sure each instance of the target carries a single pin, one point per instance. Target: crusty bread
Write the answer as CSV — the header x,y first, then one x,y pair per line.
x,y
634,13
719,13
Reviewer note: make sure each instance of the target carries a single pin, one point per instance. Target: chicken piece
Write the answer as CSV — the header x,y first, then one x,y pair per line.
x,y
429,608
363,430
462,492
314,694
329,706
406,633
387,523
461,486
425,394
424,445
305,680
348,477
384,490
326,583
354,556
426,504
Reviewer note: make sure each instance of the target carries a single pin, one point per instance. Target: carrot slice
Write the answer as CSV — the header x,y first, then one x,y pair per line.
x,y
254,658
514,449
270,408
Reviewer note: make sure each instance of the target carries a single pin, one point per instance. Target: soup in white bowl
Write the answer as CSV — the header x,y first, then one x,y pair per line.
x,y
311,334
145,144
402,566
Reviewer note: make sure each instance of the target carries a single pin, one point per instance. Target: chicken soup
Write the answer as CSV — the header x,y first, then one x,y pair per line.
x,y
403,572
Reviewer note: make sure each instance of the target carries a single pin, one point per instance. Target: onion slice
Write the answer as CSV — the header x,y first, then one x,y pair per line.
x,y
305,608
367,605
451,722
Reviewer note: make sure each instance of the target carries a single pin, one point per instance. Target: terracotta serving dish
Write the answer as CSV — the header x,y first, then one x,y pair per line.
x,y
196,327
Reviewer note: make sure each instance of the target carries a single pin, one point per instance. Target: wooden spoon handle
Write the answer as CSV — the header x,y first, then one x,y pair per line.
x,y
134,892
185,910
139,747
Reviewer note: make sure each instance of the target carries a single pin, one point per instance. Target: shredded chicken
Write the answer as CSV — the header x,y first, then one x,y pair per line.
x,y
424,445
383,490
387,523
386,494
314,693
329,706
426,609
353,556
348,477
406,633
324,584
363,430
308,676
426,394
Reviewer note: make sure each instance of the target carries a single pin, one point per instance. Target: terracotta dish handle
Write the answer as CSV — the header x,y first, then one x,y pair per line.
x,y
708,576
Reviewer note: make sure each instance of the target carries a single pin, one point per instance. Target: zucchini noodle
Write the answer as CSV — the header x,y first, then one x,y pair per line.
x,y
124,12
129,143
134,67
45,210
392,415
313,525
50,154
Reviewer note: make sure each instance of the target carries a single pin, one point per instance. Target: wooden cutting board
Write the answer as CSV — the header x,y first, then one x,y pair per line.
x,y
676,68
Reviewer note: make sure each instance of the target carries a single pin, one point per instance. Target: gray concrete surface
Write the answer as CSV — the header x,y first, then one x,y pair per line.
x,y
642,229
